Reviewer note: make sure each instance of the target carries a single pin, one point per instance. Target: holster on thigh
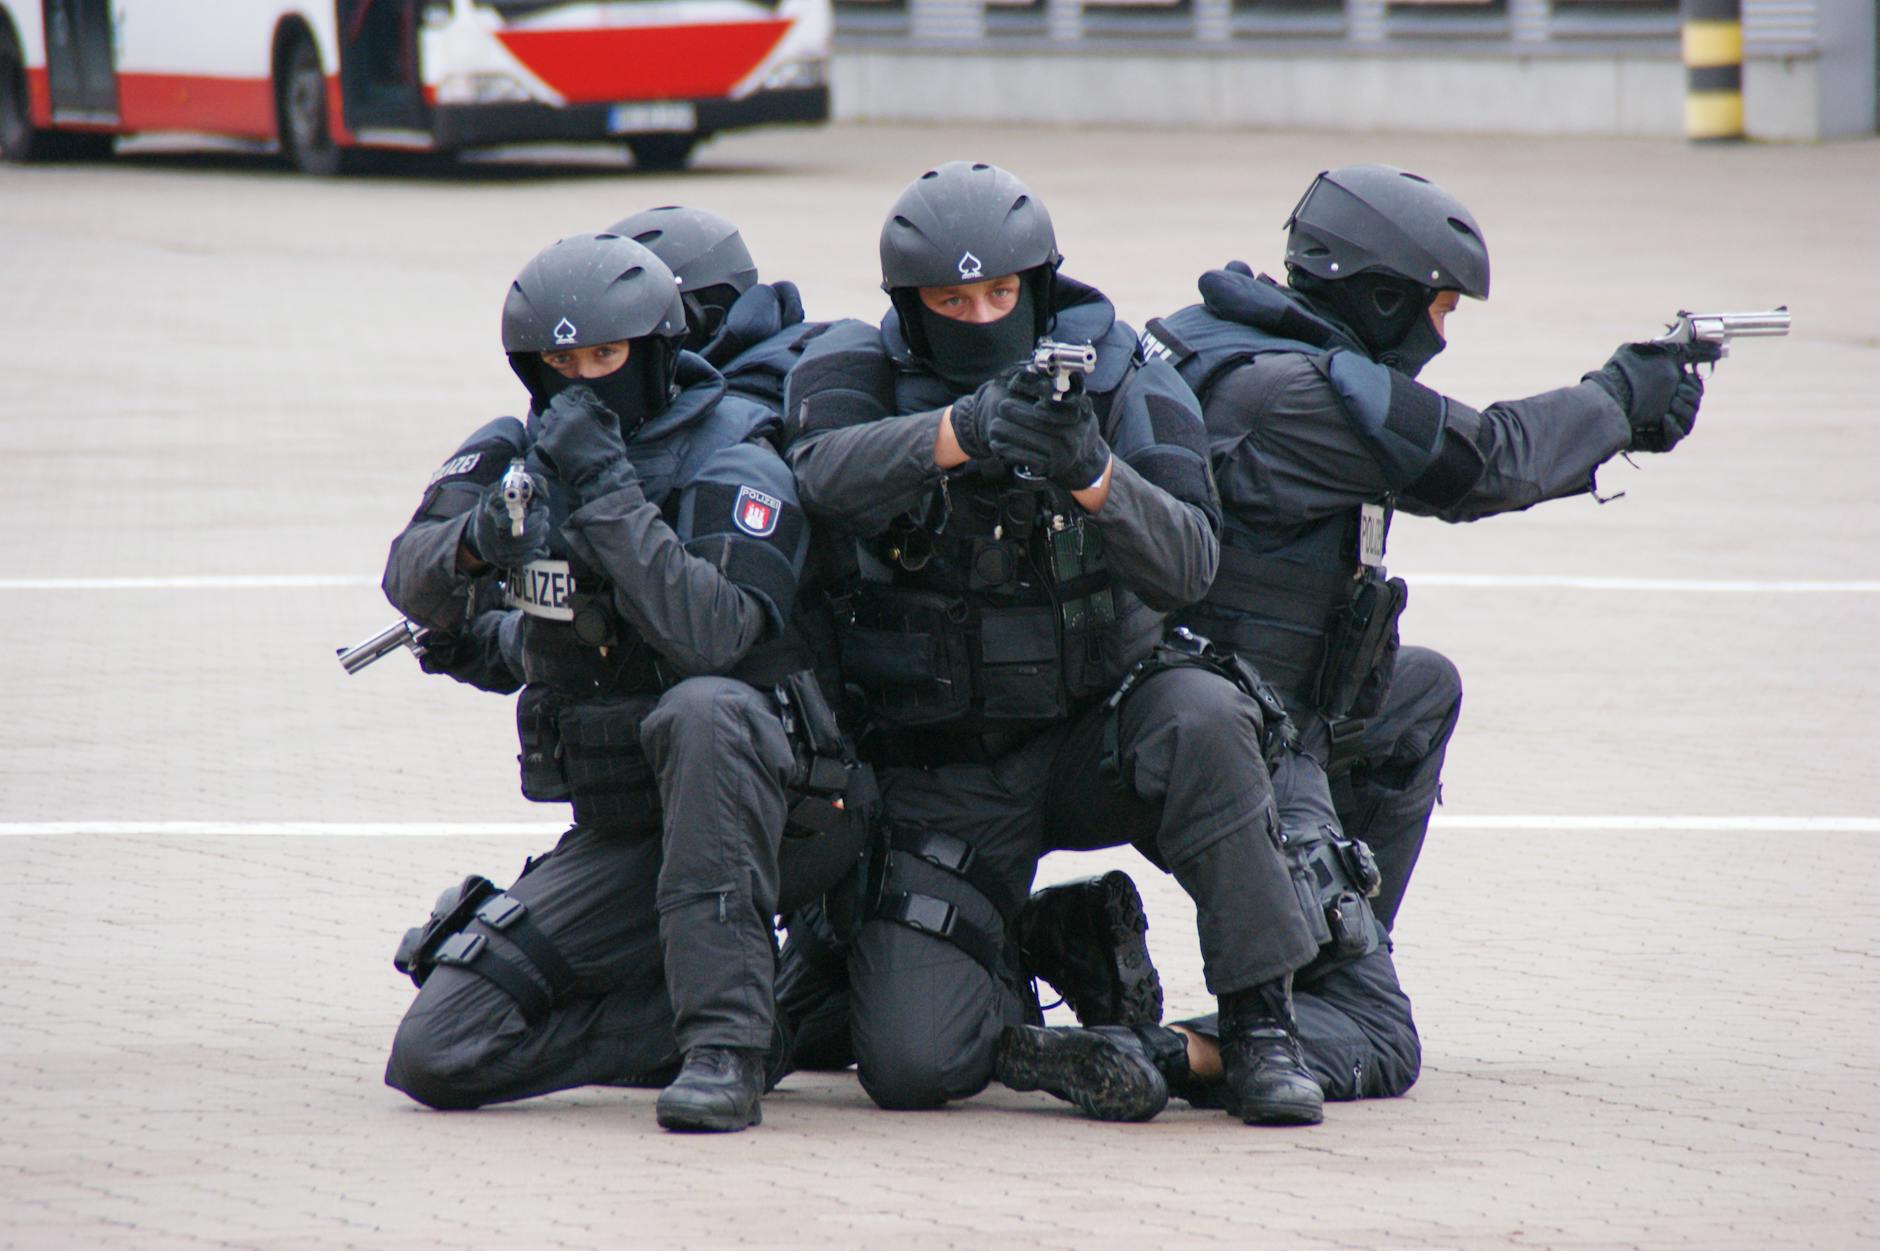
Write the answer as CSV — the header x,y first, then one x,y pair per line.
x,y
478,928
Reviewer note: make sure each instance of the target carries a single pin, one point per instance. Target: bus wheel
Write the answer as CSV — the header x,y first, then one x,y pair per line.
x,y
300,104
20,140
662,152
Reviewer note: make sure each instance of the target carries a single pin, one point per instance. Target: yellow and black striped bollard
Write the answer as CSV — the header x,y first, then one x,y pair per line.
x,y
1713,69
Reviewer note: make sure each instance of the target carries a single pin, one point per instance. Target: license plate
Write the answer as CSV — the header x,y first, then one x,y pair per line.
x,y
1373,523
665,116
541,588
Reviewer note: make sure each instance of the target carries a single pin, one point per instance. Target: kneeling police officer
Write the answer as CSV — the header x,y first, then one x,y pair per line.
x,y
653,548
1012,546
1320,434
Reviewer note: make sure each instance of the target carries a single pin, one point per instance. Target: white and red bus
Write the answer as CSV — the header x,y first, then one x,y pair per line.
x,y
325,78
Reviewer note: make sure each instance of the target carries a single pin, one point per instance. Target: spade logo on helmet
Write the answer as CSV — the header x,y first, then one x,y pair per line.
x,y
565,332
969,265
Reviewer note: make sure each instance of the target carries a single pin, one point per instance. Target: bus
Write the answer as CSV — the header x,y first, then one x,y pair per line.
x,y
325,81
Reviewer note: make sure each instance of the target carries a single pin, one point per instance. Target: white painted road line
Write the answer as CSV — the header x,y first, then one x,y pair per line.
x,y
202,582
540,829
1544,582
1452,581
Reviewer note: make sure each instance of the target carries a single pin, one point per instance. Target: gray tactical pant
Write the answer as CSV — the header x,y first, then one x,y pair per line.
x,y
666,920
923,1017
1395,778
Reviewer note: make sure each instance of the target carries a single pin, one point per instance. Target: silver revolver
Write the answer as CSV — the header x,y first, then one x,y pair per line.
x,y
518,490
1065,364
400,633
1720,328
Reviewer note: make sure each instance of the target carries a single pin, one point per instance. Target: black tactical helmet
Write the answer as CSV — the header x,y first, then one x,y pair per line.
x,y
590,289
706,256
1381,219
963,222
701,248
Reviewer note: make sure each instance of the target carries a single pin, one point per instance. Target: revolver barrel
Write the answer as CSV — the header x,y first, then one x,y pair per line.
x,y
400,633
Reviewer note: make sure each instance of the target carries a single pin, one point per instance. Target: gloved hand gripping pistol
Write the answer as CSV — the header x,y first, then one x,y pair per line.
x,y
1065,366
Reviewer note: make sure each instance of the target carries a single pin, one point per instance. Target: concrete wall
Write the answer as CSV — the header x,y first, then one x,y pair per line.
x,y
1807,77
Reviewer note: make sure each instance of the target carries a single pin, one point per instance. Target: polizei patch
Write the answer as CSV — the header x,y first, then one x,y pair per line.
x,y
755,512
455,466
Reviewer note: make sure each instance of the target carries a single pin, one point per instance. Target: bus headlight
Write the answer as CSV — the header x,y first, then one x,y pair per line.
x,y
805,73
482,88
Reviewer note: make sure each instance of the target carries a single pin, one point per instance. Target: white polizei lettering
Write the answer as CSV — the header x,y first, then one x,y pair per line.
x,y
1152,346
456,465
542,588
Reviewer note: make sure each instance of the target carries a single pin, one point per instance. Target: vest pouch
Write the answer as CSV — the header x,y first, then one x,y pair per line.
x,y
538,733
607,771
907,650
1021,675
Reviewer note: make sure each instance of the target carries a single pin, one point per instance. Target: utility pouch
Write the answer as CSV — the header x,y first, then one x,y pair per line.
x,y
606,768
908,652
538,713
1021,675
1362,633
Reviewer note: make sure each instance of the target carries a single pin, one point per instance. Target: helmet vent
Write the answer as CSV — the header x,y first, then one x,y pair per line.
x,y
1461,227
1413,177
648,236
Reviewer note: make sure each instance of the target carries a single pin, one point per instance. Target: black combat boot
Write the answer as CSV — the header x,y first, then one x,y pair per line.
x,y
1107,1080
1086,939
1167,1049
719,1089
1265,1077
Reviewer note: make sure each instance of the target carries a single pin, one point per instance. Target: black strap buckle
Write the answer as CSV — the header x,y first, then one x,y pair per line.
x,y
924,913
500,912
943,851
461,948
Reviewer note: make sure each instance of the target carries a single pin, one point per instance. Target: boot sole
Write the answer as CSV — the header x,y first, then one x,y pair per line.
x,y
691,1120
1137,995
1103,1080
1280,1113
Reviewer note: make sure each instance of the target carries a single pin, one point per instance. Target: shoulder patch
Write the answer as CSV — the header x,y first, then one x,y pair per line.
x,y
756,513
1161,343
455,467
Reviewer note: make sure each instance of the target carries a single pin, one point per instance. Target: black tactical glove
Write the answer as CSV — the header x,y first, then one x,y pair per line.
x,y
972,418
1658,389
491,535
581,444
1055,439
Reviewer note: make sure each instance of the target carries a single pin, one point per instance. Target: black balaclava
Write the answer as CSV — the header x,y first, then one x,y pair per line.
x,y
638,391
969,353
1389,315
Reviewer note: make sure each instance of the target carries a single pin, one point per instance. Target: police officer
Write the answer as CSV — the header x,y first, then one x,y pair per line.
x,y
655,566
1320,433
1012,550
751,332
